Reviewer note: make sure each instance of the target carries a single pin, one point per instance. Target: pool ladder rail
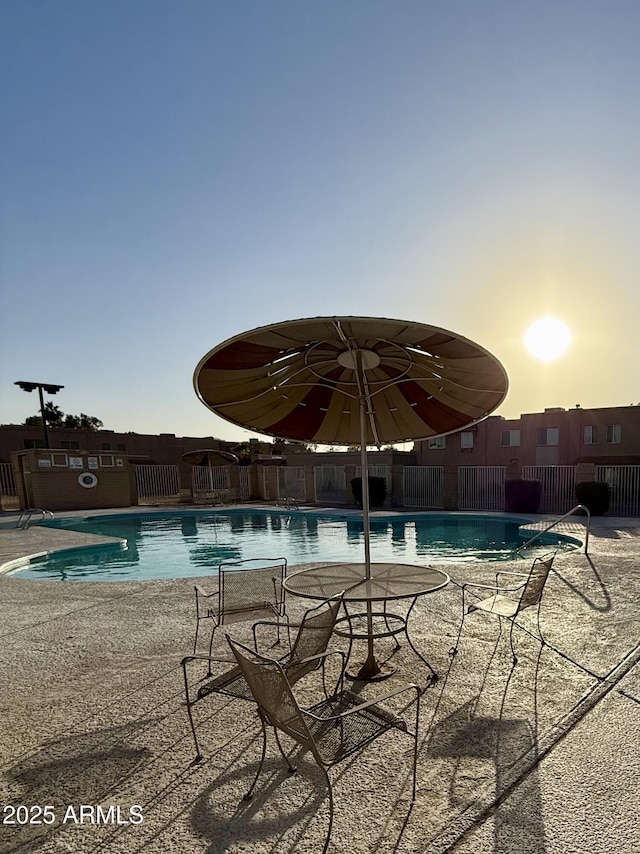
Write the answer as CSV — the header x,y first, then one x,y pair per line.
x,y
557,522
26,517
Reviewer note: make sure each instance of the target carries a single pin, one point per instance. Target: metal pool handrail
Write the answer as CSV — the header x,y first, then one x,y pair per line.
x,y
556,522
27,515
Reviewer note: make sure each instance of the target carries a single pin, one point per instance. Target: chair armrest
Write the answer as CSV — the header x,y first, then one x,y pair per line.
x,y
409,686
491,586
188,658
202,592
276,624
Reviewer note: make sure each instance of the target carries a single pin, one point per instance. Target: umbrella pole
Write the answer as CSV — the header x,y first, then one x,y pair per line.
x,y
370,668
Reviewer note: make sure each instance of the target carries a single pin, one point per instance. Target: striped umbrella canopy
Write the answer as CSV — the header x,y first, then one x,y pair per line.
x,y
308,379
351,380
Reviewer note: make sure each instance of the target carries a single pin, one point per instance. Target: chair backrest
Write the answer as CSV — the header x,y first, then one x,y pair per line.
x,y
532,590
252,586
313,637
272,692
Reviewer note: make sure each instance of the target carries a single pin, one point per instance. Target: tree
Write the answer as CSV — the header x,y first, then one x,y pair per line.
x,y
52,413
57,418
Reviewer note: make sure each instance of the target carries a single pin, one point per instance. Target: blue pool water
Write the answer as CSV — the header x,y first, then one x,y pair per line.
x,y
190,543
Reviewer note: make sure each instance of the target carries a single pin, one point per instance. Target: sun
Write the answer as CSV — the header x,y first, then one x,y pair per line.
x,y
548,339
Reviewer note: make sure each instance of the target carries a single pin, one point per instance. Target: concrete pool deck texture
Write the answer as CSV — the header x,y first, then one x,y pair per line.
x,y
540,757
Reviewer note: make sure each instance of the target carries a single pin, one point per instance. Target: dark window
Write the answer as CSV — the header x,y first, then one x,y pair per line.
x,y
34,443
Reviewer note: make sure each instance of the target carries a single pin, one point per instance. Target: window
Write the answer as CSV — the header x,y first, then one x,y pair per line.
x,y
510,438
466,440
614,434
70,446
105,446
590,435
33,443
121,447
547,436
437,443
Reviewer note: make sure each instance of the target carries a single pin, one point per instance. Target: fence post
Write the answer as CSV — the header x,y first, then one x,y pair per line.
x,y
397,486
450,487
310,485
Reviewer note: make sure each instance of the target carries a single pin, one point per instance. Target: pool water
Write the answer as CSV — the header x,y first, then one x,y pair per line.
x,y
192,543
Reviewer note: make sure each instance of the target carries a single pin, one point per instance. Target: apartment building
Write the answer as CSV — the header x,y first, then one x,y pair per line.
x,y
554,437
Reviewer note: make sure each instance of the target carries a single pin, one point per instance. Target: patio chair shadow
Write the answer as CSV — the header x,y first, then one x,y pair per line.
x,y
276,818
466,735
221,818
80,767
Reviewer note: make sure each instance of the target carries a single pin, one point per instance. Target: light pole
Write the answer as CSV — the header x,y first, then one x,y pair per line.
x,y
50,389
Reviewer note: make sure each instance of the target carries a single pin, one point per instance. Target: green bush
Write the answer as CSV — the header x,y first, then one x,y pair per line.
x,y
377,490
595,495
522,496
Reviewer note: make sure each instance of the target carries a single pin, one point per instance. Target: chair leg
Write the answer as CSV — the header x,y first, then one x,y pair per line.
x,y
330,791
189,712
249,794
513,652
454,649
290,768
213,631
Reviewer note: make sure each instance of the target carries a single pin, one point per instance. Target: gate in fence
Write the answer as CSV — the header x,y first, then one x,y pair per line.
x,y
330,484
157,484
291,483
210,483
481,487
8,490
422,486
624,483
558,487
245,488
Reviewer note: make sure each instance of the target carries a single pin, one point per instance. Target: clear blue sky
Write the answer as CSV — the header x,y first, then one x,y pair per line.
x,y
175,173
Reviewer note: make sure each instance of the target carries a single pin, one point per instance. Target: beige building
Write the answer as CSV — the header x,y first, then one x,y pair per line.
x,y
555,437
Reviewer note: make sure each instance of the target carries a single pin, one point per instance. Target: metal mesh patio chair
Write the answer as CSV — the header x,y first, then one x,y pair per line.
x,y
528,592
308,653
332,730
247,590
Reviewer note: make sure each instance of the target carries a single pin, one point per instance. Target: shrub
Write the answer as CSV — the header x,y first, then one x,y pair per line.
x,y
377,490
522,496
595,495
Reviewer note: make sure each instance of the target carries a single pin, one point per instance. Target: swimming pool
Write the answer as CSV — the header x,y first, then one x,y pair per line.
x,y
189,543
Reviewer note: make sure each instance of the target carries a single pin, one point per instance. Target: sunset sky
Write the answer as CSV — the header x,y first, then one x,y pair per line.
x,y
175,173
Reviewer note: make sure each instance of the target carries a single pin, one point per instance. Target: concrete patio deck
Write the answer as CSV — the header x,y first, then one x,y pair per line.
x,y
537,758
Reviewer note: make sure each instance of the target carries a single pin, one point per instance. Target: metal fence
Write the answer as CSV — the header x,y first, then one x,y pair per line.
x,y
157,484
558,487
210,483
7,483
291,483
422,486
624,483
245,483
330,484
481,487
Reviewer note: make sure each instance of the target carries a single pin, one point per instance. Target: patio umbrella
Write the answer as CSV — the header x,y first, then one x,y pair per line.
x,y
210,457
351,380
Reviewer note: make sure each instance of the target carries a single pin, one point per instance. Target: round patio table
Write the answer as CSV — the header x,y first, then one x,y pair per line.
x,y
389,582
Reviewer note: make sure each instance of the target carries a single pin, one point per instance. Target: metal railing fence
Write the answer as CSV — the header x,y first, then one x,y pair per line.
x,y
7,482
481,487
422,486
157,484
330,484
624,483
558,486
291,483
